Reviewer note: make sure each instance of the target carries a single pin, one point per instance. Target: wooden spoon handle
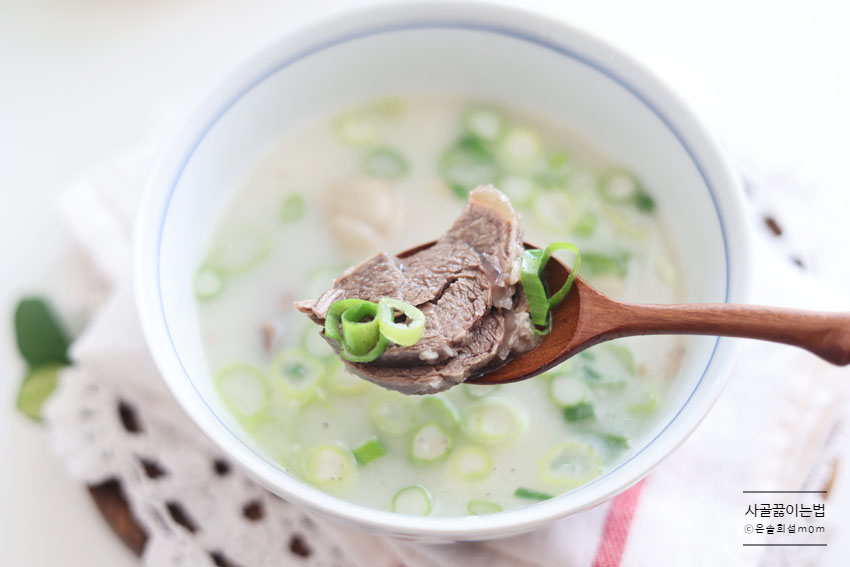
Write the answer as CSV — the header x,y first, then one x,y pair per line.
x,y
824,334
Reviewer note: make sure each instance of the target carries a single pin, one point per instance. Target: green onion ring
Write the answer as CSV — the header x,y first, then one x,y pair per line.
x,y
376,351
540,304
535,289
360,330
335,311
364,341
404,334
559,295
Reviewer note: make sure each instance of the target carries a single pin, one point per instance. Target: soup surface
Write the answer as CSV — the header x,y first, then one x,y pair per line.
x,y
387,176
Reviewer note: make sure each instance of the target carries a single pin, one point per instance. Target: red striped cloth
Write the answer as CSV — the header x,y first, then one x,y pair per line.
x,y
615,532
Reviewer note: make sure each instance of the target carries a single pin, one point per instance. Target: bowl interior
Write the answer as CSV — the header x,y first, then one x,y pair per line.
x,y
607,101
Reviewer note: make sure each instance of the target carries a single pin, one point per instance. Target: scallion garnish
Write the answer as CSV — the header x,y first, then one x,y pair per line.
x,y
369,356
531,273
334,316
364,329
369,451
530,494
360,332
405,333
385,164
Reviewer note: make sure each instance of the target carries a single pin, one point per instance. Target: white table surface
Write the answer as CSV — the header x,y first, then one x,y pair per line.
x,y
81,79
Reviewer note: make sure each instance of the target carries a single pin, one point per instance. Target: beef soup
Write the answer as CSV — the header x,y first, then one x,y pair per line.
x,y
388,176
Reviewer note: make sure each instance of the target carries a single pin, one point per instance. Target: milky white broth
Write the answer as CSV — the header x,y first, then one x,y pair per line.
x,y
294,255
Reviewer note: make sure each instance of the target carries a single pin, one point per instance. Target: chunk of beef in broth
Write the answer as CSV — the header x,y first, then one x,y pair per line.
x,y
465,284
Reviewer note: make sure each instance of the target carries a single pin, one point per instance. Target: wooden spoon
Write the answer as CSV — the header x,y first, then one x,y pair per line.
x,y
587,317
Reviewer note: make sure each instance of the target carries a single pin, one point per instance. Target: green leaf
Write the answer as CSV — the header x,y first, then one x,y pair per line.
x,y
41,338
37,387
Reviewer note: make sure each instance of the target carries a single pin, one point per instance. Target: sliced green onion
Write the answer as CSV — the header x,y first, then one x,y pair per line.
x,y
466,165
358,129
623,225
621,354
37,386
240,250
371,355
493,421
613,441
519,189
567,390
570,464
645,203
562,212
406,333
555,210
244,389
472,463
484,122
559,295
603,380
438,409
555,172
483,507
612,367
533,286
343,382
367,327
369,450
312,342
392,413
356,334
646,404
578,412
413,500
531,274
209,283
330,466
292,208
618,186
476,392
362,126
586,224
385,163
360,331
597,264
297,373
430,444
520,147
530,494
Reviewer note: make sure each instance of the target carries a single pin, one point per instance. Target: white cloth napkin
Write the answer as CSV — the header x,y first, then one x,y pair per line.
x,y
770,430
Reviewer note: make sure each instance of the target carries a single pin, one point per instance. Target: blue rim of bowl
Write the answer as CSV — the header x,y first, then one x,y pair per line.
x,y
451,25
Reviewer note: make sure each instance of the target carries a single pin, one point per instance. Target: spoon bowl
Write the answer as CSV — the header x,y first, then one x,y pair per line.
x,y
587,317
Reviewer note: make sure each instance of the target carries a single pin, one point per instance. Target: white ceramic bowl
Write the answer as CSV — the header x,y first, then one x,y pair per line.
x,y
494,52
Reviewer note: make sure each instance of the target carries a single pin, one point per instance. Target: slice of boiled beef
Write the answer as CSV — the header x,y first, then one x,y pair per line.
x,y
465,284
